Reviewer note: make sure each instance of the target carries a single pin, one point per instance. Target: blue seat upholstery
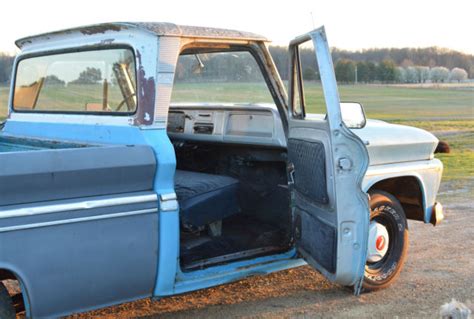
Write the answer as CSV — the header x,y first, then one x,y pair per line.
x,y
205,198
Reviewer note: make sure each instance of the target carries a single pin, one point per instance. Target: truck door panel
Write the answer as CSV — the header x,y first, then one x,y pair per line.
x,y
327,163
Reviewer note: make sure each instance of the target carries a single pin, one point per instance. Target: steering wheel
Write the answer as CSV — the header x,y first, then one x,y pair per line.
x,y
123,101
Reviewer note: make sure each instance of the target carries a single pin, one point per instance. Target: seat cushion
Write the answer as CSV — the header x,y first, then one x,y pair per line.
x,y
205,198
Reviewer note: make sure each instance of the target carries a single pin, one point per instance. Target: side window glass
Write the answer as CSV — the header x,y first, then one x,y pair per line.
x,y
308,97
219,77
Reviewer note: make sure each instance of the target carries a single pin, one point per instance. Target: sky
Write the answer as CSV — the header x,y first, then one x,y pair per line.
x,y
353,25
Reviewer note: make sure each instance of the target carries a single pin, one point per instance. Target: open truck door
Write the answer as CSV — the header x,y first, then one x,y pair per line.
x,y
327,163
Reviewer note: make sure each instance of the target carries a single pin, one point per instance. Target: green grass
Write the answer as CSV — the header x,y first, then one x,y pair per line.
x,y
459,164
3,101
403,103
448,112
440,125
222,92
394,103
380,102
73,98
459,134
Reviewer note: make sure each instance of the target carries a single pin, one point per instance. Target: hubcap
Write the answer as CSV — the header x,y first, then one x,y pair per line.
x,y
378,242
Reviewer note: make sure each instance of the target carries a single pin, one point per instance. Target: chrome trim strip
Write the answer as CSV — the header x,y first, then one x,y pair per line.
x,y
83,205
77,220
169,202
168,196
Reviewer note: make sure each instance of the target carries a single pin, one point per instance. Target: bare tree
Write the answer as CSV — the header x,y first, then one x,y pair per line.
x,y
423,73
439,74
406,63
411,74
458,74
400,75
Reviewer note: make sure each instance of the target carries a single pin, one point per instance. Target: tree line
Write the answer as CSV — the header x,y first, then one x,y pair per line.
x,y
348,71
6,63
430,57
407,65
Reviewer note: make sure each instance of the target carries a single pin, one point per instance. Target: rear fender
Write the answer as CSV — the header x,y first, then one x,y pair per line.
x,y
24,284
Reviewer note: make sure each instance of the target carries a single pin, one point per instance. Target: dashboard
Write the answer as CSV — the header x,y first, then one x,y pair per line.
x,y
226,123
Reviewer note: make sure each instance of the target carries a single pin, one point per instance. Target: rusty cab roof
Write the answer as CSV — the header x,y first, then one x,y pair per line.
x,y
156,28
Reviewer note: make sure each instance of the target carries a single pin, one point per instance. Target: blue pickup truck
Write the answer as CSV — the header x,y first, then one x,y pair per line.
x,y
145,160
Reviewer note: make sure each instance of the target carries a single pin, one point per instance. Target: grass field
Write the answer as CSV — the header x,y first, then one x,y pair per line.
x,y
380,102
447,111
3,101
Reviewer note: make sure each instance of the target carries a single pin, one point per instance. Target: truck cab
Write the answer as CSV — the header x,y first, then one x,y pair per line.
x,y
144,160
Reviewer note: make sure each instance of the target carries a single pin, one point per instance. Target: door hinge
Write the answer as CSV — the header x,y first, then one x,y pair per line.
x,y
168,202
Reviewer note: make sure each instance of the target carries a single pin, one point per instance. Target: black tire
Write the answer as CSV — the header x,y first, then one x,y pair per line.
x,y
387,210
7,311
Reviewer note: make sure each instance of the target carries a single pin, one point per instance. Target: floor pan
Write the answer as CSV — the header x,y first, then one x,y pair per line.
x,y
242,237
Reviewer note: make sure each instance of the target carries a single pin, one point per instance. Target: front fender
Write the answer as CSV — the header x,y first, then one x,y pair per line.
x,y
428,174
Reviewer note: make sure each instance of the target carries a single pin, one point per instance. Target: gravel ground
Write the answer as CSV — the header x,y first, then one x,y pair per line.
x,y
439,267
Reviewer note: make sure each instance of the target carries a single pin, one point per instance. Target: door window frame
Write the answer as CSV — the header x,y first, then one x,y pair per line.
x,y
296,79
259,50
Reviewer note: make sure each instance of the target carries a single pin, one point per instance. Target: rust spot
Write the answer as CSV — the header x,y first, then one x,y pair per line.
x,y
256,272
170,29
146,96
22,43
101,29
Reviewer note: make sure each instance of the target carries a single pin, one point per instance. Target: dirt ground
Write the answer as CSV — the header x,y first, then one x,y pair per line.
x,y
439,267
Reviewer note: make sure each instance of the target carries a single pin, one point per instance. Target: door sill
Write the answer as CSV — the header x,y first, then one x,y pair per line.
x,y
215,261
232,271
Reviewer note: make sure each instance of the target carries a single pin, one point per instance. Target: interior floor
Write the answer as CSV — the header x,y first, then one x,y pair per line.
x,y
242,236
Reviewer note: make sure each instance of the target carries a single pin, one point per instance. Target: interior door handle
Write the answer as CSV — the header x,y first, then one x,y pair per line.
x,y
291,173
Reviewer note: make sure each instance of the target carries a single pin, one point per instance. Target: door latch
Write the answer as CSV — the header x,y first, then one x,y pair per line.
x,y
345,163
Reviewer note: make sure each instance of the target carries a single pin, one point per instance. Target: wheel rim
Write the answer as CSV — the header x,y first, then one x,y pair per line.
x,y
379,241
388,225
387,218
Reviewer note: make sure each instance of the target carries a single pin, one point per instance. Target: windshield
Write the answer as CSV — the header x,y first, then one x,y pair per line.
x,y
227,77
88,81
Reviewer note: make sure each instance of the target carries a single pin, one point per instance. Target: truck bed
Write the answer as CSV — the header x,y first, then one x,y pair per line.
x,y
21,144
35,170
